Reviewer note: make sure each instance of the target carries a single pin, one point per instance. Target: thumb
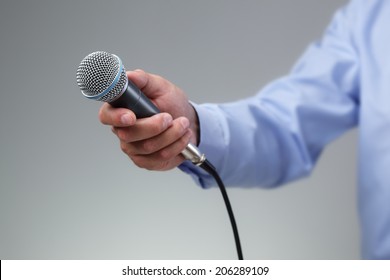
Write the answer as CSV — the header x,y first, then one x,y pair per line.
x,y
153,86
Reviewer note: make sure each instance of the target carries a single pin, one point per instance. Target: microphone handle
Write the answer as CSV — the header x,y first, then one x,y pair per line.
x,y
135,100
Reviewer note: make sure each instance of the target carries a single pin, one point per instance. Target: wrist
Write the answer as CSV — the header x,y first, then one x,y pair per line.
x,y
194,125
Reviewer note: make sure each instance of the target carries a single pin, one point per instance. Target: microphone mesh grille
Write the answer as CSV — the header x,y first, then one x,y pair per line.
x,y
97,72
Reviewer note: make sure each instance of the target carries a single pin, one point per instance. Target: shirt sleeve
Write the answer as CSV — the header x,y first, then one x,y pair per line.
x,y
277,135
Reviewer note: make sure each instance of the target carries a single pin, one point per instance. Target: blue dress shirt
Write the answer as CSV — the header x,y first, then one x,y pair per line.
x,y
340,82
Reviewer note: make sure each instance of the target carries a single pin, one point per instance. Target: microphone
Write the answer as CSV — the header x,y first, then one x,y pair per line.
x,y
101,76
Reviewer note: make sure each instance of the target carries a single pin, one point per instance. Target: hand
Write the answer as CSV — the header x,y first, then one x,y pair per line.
x,y
154,143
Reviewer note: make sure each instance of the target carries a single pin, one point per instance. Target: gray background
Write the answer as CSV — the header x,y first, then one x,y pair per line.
x,y
68,192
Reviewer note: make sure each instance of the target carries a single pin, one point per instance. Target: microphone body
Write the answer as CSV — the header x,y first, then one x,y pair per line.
x,y
133,99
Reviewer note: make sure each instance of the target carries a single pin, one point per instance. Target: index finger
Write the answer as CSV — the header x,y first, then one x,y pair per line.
x,y
120,117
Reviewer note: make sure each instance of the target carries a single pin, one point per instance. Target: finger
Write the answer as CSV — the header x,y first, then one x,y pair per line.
x,y
144,128
166,158
152,85
138,77
173,134
119,117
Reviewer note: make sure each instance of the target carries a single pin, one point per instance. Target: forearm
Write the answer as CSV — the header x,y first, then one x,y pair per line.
x,y
274,137
277,135
248,147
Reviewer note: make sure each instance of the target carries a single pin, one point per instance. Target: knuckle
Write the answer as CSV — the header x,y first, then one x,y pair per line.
x,y
122,134
124,147
144,162
164,165
148,146
165,155
138,162
150,163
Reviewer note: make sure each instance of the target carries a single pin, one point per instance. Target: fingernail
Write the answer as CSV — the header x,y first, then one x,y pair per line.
x,y
167,120
185,123
126,119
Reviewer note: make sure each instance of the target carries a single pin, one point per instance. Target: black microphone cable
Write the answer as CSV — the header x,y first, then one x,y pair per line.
x,y
209,168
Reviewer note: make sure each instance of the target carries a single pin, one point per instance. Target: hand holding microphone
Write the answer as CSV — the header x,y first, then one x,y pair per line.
x,y
155,142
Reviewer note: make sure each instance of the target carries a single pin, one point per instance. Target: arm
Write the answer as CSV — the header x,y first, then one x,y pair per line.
x,y
278,135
